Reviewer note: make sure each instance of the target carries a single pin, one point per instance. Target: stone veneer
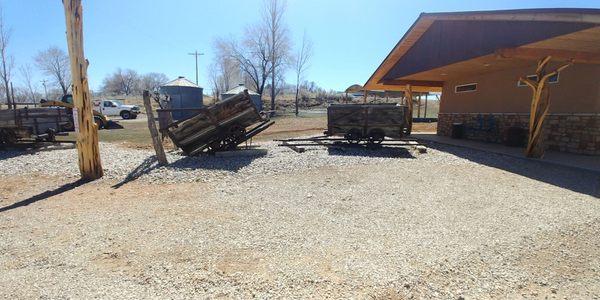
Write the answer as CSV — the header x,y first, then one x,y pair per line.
x,y
574,133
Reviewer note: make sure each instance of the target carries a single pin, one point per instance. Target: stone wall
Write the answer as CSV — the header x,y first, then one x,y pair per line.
x,y
574,133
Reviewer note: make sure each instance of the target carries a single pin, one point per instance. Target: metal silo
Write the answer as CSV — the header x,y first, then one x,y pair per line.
x,y
183,94
255,97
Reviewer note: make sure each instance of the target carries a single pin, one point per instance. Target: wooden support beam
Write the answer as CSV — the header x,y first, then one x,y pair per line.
x,y
87,131
365,96
540,104
408,95
156,141
556,54
414,83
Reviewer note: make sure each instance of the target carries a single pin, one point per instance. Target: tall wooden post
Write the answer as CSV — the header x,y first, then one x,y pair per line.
x,y
365,96
87,131
409,104
540,104
419,106
156,142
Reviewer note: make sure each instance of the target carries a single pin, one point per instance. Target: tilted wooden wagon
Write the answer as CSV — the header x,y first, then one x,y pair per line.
x,y
366,122
32,124
219,127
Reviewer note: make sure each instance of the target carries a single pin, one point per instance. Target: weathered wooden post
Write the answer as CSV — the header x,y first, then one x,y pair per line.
x,y
409,104
87,131
156,141
540,104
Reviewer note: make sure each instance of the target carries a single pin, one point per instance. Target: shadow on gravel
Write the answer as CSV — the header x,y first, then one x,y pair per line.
x,y
383,152
224,161
580,181
18,150
145,167
47,194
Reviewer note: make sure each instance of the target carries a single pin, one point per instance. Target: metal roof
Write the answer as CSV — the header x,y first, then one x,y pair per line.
x,y
238,89
181,81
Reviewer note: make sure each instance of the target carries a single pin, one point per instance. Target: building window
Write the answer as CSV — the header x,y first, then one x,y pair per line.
x,y
553,79
471,87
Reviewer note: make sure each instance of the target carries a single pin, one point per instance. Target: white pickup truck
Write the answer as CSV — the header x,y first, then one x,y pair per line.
x,y
116,108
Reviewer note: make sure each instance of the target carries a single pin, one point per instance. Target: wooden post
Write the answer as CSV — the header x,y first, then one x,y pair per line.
x,y
540,104
425,113
87,131
365,96
419,106
156,142
409,104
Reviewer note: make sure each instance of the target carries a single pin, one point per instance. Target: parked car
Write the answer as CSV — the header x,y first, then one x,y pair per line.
x,y
117,108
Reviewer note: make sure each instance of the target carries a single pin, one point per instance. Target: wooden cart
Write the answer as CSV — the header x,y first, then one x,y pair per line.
x,y
370,123
32,124
219,127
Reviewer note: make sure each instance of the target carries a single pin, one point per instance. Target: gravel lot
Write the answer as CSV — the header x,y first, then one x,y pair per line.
x,y
450,223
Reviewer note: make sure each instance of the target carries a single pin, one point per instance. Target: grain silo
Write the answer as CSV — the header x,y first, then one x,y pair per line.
x,y
254,96
183,94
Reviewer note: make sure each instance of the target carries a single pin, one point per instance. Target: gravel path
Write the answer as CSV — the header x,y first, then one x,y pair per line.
x,y
447,224
120,162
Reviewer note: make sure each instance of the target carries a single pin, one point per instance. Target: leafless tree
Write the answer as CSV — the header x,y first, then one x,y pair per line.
x,y
7,59
301,64
121,82
54,62
29,88
224,72
252,56
152,81
278,41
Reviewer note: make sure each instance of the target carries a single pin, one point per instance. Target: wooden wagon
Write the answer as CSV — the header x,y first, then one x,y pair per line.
x,y
366,122
33,124
219,127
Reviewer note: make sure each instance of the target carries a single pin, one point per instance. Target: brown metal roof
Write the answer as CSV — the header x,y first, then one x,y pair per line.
x,y
552,25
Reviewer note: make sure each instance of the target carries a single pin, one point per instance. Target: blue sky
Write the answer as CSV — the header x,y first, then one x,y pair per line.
x,y
350,37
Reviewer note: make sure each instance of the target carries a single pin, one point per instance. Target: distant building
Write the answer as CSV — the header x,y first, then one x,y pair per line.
x,y
254,96
183,94
476,58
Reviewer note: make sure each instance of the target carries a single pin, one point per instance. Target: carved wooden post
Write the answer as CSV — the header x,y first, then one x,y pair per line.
x,y
87,131
540,104
156,142
409,104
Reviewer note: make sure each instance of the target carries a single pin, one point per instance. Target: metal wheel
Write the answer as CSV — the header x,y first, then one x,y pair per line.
x,y
376,136
353,136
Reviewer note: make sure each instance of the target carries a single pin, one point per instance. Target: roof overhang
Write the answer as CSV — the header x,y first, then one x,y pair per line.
x,y
580,41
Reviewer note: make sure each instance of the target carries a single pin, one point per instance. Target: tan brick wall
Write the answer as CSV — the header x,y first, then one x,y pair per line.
x,y
574,133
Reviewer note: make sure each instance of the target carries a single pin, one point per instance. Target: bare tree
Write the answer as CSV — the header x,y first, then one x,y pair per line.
x,y
278,41
121,82
54,62
29,87
152,81
252,56
7,60
301,64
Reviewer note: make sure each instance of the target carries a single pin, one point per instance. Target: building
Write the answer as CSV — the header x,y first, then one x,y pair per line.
x,y
476,59
254,96
184,97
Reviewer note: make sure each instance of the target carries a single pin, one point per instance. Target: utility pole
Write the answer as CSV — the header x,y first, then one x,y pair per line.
x,y
88,150
45,89
196,54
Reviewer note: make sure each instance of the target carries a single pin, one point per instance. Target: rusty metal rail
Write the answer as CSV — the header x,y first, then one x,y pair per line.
x,y
298,144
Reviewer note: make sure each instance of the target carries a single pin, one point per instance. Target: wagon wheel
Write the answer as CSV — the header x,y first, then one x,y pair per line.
x,y
376,136
353,136
7,137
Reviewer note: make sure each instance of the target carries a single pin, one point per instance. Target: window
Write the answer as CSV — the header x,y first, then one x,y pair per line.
x,y
553,79
107,104
471,87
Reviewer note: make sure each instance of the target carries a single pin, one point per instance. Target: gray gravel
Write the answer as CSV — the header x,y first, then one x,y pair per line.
x,y
451,224
122,163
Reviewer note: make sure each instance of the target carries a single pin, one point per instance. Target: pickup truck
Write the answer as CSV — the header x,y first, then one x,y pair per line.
x,y
116,108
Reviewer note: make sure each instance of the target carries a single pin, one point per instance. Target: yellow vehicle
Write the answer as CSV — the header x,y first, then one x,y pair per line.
x,y
67,102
